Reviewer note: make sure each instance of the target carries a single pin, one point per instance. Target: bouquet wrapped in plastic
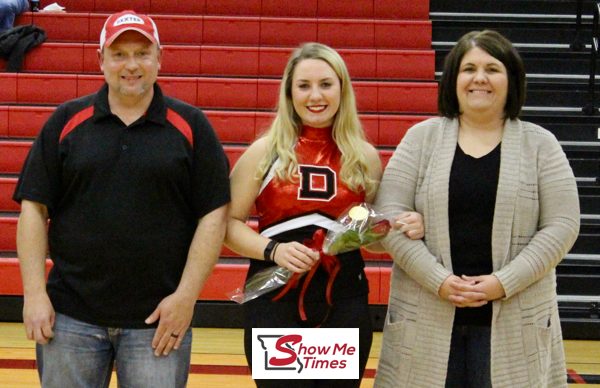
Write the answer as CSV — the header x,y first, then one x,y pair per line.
x,y
262,282
360,225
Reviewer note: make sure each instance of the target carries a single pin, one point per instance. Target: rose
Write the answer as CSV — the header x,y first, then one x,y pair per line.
x,y
376,232
352,239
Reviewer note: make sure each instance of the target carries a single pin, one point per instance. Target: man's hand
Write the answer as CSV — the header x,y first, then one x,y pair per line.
x,y
174,314
32,246
38,317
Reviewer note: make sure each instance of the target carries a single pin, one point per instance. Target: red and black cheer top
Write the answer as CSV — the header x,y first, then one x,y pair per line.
x,y
293,211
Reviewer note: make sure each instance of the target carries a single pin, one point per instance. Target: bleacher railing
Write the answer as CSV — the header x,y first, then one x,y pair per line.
x,y
590,109
577,45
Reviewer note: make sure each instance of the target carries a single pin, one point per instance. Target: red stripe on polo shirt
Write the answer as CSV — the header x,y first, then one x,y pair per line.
x,y
181,124
76,120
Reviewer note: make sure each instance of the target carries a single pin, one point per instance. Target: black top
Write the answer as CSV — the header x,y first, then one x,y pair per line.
x,y
124,202
472,199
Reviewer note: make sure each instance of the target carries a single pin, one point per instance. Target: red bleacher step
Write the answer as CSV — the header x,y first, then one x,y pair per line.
x,y
14,154
393,9
234,61
386,277
230,126
8,228
224,279
246,30
4,121
10,273
8,88
46,88
222,93
24,121
7,188
8,234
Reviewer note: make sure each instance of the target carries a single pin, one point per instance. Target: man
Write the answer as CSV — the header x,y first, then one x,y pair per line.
x,y
9,10
135,185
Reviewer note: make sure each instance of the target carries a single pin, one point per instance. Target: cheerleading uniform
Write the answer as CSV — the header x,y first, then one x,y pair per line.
x,y
293,211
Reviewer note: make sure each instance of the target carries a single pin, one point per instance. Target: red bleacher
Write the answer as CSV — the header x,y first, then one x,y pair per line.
x,y
381,9
226,57
232,61
7,187
223,93
248,30
221,282
16,152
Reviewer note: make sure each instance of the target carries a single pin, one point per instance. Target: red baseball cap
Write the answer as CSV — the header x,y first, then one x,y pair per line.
x,y
125,21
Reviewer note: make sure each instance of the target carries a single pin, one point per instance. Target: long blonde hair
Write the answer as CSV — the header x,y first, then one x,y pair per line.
x,y
347,130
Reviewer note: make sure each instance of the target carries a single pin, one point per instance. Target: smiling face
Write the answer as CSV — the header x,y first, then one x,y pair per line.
x,y
316,91
130,65
481,85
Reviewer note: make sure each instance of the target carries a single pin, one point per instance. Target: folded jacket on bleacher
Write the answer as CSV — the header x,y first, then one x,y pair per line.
x,y
16,42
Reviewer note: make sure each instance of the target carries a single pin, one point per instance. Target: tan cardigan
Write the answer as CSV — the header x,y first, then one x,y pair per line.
x,y
536,221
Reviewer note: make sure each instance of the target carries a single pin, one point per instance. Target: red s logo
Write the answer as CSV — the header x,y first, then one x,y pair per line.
x,y
294,339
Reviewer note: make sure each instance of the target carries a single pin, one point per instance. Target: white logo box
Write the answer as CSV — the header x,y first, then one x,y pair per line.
x,y
305,353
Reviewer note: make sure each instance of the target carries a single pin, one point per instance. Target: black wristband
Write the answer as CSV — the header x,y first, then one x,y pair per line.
x,y
268,250
274,253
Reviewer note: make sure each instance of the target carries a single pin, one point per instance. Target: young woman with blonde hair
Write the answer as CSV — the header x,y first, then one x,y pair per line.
x,y
313,163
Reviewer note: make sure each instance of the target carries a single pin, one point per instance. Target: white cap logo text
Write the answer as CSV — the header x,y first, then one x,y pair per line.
x,y
128,19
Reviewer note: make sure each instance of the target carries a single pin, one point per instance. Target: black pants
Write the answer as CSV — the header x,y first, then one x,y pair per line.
x,y
348,313
469,361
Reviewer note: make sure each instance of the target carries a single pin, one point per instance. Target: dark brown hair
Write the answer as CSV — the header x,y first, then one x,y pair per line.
x,y
498,47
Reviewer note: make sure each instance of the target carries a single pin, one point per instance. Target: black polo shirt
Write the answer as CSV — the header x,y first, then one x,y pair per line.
x,y
124,202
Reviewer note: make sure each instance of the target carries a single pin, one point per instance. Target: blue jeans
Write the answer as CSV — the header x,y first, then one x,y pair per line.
x,y
9,9
469,361
82,356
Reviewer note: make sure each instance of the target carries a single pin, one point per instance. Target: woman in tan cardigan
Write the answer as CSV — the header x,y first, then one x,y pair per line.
x,y
474,304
